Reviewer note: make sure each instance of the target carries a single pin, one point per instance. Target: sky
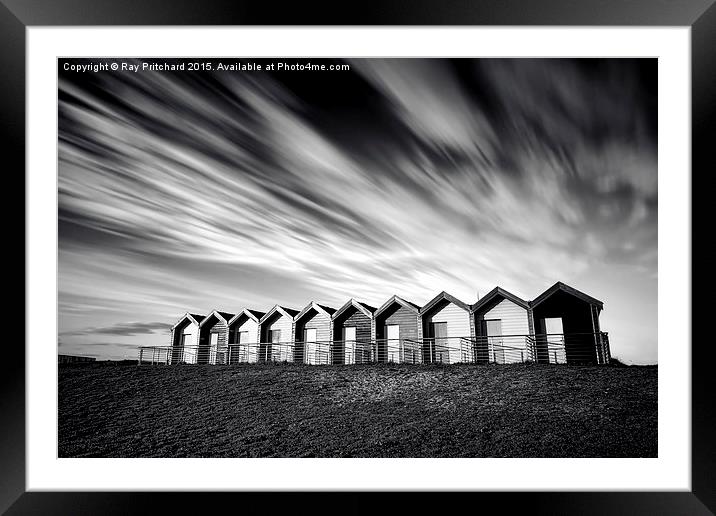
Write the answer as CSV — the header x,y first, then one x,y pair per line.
x,y
198,190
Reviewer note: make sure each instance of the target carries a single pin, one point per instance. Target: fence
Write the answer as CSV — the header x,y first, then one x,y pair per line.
x,y
570,348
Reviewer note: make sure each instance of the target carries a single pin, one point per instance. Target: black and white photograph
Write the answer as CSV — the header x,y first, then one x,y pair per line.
x,y
364,257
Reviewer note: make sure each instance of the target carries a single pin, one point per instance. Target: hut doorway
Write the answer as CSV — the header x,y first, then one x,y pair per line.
x,y
493,329
188,355
556,349
310,336
245,354
392,332
275,346
349,343
438,346
213,348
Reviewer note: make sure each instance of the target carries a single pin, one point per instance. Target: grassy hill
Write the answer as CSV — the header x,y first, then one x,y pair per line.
x,y
287,410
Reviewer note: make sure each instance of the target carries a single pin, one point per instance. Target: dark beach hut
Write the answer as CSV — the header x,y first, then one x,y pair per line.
x,y
353,333
566,323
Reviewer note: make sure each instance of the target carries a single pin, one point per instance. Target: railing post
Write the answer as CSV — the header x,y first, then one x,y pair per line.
x,y
141,352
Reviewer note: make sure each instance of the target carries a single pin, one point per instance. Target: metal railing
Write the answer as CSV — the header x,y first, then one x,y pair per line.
x,y
400,351
570,348
169,355
155,355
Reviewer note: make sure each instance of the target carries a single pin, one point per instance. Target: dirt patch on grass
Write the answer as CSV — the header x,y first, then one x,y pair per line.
x,y
287,410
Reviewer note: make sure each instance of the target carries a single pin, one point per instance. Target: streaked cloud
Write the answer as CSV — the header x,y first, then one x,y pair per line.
x,y
193,192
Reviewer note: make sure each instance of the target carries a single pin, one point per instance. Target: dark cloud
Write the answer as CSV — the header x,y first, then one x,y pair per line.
x,y
124,329
112,345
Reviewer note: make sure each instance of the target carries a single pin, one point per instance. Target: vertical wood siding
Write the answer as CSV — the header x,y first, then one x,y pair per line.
x,y
458,325
515,321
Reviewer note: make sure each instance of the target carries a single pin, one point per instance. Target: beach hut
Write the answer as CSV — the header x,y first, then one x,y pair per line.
x,y
398,331
448,334
214,337
275,335
566,323
312,334
503,328
353,333
185,338
244,336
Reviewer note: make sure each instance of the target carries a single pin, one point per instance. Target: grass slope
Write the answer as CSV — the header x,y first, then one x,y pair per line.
x,y
287,410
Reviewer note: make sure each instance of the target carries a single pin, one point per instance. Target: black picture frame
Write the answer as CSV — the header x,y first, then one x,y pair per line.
x,y
699,15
